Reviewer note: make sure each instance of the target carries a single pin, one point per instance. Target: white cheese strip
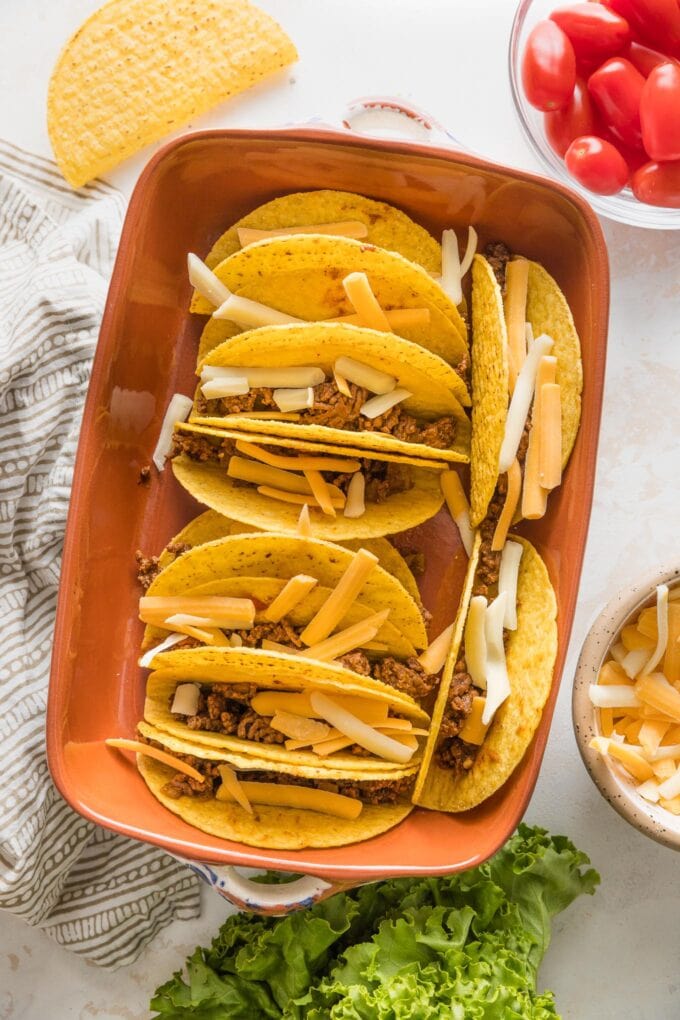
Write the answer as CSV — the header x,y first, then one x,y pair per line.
x,y
215,388
662,631
245,312
497,680
366,376
376,406
179,409
475,641
649,790
148,657
272,378
618,652
470,250
670,787
459,508
294,400
451,269
521,401
634,662
185,701
613,696
507,581
205,281
366,736
356,503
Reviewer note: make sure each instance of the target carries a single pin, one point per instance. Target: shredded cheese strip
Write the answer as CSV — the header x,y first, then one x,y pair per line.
x,y
631,760
613,696
369,710
497,680
304,523
288,377
661,628
301,462
233,787
383,403
459,508
550,443
475,641
305,798
356,497
297,727
273,415
436,653
534,496
341,598
508,577
321,492
343,228
369,378
398,318
470,250
451,270
276,646
205,281
185,700
222,611
366,736
178,409
213,389
474,730
364,302
654,690
290,595
346,640
148,657
252,314
296,497
340,381
520,401
508,512
263,474
515,308
294,399
136,746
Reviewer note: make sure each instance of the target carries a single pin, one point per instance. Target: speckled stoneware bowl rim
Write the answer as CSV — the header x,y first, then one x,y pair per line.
x,y
610,779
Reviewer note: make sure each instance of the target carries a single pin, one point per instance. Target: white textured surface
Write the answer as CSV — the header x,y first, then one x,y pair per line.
x,y
614,956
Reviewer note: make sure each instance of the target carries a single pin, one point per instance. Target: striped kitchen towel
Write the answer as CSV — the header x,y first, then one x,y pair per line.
x,y
91,891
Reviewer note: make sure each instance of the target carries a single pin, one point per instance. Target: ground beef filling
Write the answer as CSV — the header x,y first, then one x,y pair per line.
x,y
452,752
335,410
383,479
372,791
148,567
498,255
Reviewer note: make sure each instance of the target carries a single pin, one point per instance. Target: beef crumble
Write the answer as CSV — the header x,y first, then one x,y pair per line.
x,y
148,567
336,410
452,752
409,677
498,255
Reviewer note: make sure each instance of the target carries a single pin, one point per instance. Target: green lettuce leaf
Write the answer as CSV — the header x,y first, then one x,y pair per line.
x,y
466,947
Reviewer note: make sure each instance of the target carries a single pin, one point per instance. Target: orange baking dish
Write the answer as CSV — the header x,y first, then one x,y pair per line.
x,y
189,193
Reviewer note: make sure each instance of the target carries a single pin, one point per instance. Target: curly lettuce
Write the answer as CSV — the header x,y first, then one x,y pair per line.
x,y
465,947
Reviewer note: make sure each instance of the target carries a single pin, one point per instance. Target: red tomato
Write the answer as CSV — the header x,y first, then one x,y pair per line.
x,y
577,118
658,184
644,58
654,22
660,112
548,67
597,165
596,32
616,88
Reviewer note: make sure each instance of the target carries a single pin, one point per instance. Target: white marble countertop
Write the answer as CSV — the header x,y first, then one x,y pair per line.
x,y
614,956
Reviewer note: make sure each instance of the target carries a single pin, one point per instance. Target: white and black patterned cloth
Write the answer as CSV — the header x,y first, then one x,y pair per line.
x,y
91,891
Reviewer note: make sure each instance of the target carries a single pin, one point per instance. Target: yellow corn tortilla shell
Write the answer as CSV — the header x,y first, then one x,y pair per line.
x,y
489,386
210,484
260,554
530,656
388,227
139,69
265,589
302,275
210,525
239,761
548,312
214,333
275,828
422,373
268,671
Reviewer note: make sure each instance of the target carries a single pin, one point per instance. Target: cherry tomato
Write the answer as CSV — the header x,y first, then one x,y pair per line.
x,y
654,22
597,165
577,118
548,67
658,184
596,32
644,58
660,112
616,88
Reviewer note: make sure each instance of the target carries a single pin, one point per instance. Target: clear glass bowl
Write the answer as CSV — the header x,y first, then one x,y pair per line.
x,y
622,207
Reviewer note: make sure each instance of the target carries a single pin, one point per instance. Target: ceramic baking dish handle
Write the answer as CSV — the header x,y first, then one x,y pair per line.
x,y
263,899
386,115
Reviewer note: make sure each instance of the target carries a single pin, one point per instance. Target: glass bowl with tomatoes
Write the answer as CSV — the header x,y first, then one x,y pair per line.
x,y
596,86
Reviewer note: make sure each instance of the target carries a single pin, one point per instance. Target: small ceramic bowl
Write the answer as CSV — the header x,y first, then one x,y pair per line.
x,y
610,778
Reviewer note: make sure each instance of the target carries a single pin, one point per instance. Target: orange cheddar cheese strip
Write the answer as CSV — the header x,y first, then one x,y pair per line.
x,y
290,595
305,798
138,747
398,318
343,228
365,304
300,462
550,440
509,507
298,498
341,598
515,308
348,639
320,491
